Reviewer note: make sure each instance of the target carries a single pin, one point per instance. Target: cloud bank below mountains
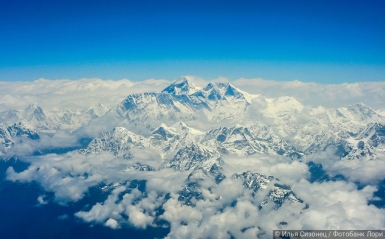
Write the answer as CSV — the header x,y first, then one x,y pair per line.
x,y
228,209
83,93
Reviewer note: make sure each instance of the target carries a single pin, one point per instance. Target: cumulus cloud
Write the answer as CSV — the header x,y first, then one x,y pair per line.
x,y
69,176
332,205
360,171
112,223
60,139
337,205
227,209
284,168
41,200
101,212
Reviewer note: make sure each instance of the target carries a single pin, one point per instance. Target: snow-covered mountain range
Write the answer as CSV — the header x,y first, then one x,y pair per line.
x,y
204,134
218,116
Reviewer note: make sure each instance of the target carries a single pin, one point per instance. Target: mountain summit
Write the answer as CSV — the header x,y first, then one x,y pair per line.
x,y
34,112
182,86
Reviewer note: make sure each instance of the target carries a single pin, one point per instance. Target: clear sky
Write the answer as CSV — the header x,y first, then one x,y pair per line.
x,y
322,41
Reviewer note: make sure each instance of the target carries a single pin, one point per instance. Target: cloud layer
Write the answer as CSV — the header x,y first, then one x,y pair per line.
x,y
227,210
314,94
72,94
83,93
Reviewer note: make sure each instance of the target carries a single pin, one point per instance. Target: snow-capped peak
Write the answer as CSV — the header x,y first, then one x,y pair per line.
x,y
221,90
97,110
183,128
164,131
181,86
33,112
32,106
118,133
370,130
359,112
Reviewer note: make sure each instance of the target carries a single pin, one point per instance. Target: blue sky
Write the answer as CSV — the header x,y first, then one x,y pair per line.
x,y
322,41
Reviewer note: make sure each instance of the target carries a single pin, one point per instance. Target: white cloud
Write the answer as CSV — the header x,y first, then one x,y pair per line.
x,y
362,171
284,168
315,94
112,223
71,94
337,205
25,147
41,200
137,217
332,205
103,211
83,93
